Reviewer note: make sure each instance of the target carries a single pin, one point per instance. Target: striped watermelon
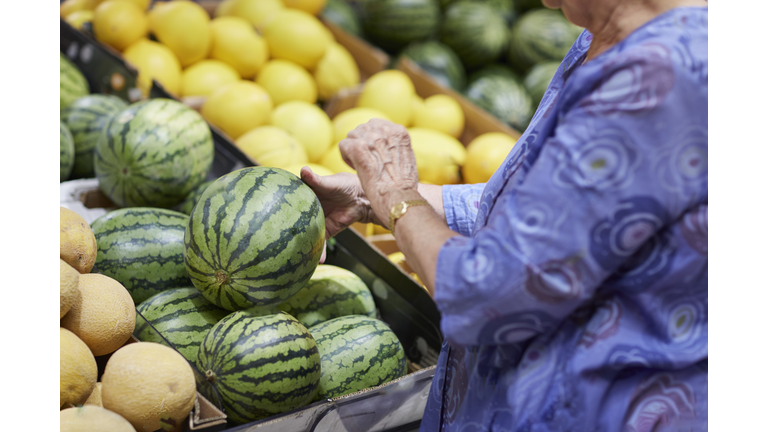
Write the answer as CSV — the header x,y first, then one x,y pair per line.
x,y
393,24
66,152
190,200
182,316
260,366
357,352
439,61
476,31
331,292
343,15
72,83
254,238
502,96
153,154
538,78
86,117
143,249
541,35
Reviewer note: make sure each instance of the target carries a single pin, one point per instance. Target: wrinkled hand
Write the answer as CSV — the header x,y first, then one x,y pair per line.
x,y
380,151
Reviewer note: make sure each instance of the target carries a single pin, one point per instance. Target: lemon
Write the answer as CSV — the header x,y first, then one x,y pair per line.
x,y
309,6
224,8
119,23
436,166
258,12
236,43
347,120
441,113
207,76
391,92
336,70
238,108
333,161
308,124
485,154
154,61
286,81
69,7
273,147
429,140
78,18
317,169
183,27
297,36
142,4
417,103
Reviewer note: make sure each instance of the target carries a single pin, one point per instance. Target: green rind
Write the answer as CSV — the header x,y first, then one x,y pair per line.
x,y
540,35
182,316
190,200
260,366
153,154
393,24
72,83
341,13
356,352
439,61
476,31
504,97
143,249
254,238
538,78
66,152
86,117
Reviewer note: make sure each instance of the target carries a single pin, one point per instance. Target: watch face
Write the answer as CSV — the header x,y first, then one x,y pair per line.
x,y
399,208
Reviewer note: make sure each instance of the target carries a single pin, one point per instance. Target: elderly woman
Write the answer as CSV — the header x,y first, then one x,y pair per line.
x,y
573,285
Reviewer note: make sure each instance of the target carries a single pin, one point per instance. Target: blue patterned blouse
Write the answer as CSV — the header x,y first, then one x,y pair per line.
x,y
576,297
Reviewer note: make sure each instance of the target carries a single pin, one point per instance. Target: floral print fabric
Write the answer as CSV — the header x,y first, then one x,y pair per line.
x,y
576,297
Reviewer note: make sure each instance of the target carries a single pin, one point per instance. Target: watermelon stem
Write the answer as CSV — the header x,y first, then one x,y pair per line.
x,y
210,376
221,277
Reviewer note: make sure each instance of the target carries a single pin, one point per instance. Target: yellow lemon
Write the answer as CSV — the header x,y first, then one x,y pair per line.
x,y
308,124
417,103
183,27
333,161
69,7
317,169
309,6
142,4
224,8
286,81
436,166
77,370
430,140
78,18
273,147
336,70
236,43
119,23
441,113
154,61
238,108
346,121
391,92
207,76
258,12
485,154
297,36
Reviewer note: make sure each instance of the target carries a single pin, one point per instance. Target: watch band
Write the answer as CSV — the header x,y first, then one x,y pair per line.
x,y
398,210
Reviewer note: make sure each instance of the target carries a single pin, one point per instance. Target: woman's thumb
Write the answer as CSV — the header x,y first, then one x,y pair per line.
x,y
310,178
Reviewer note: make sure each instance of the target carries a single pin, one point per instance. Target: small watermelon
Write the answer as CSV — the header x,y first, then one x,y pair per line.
x,y
439,61
153,154
182,316
143,249
343,15
475,31
502,96
393,24
86,117
357,352
538,78
260,366
541,35
66,152
189,202
254,238
72,83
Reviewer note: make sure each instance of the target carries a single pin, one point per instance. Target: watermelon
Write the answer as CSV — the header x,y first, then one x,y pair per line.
x,y
506,8
86,117
331,292
182,316
143,249
357,352
538,78
260,366
189,202
540,35
153,153
72,83
502,96
439,61
494,69
393,24
254,238
475,31
342,14
526,5
66,152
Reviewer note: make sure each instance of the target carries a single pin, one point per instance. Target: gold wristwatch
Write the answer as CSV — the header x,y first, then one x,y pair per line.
x,y
399,209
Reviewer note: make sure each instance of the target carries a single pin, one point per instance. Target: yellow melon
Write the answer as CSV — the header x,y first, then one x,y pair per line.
x,y
95,397
150,385
68,280
77,369
77,244
103,315
91,418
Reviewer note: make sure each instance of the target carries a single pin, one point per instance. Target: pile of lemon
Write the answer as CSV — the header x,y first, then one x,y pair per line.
x,y
145,385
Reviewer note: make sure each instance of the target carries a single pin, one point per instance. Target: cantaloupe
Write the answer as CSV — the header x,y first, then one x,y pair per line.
x,y
77,369
103,315
91,418
150,385
95,397
77,244
68,280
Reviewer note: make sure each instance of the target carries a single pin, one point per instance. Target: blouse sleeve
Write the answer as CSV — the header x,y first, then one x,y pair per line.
x,y
460,203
